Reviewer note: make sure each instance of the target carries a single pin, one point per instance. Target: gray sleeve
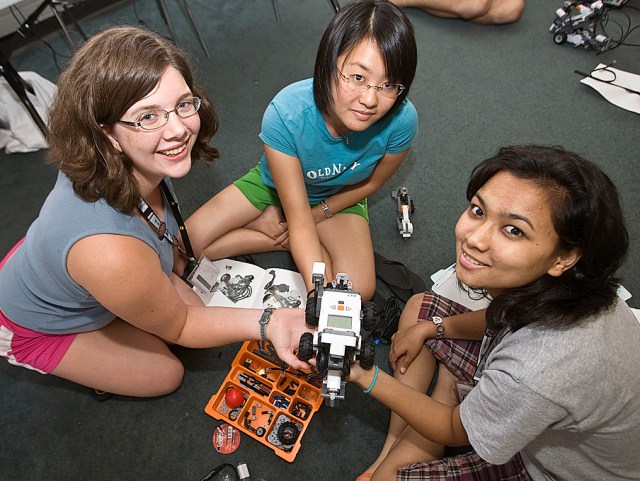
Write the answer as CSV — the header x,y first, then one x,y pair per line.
x,y
501,416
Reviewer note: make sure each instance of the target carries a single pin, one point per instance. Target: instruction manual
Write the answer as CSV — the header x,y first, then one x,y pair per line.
x,y
240,284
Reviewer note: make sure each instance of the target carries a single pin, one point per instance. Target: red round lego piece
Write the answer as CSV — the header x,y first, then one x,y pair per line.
x,y
234,397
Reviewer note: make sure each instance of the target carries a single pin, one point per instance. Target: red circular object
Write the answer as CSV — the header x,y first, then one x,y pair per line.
x,y
234,397
226,438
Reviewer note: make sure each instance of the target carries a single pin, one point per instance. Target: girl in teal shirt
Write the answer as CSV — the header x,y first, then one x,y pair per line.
x,y
329,143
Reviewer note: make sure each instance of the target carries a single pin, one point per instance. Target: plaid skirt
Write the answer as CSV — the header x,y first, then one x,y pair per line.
x,y
460,357
464,467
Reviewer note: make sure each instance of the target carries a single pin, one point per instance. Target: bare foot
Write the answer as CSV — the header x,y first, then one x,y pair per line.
x,y
271,222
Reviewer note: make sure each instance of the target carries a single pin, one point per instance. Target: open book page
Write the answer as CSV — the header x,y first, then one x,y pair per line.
x,y
283,288
241,284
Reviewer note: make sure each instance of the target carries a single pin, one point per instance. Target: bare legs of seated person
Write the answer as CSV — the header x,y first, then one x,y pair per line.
x,y
403,445
489,12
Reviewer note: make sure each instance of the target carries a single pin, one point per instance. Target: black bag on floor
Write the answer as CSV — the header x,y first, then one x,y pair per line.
x,y
403,283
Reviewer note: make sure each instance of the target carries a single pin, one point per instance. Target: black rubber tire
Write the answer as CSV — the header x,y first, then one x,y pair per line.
x,y
309,312
322,360
288,433
367,353
305,350
369,316
560,38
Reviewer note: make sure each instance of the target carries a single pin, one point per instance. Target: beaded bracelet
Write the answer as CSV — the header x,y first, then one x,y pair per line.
x,y
373,382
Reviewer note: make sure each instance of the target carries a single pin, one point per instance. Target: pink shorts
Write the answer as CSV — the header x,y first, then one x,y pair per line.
x,y
27,348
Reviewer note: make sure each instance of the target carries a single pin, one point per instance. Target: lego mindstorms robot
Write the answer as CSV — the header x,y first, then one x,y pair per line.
x,y
404,212
343,335
577,22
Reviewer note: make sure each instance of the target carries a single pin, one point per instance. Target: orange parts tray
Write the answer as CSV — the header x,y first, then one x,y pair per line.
x,y
278,405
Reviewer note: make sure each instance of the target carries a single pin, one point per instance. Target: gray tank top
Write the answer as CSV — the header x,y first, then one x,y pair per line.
x,y
36,290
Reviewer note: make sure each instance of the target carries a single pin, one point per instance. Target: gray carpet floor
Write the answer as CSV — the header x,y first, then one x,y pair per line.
x,y
476,88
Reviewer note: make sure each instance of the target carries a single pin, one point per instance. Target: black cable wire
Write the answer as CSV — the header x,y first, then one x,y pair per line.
x,y
606,20
21,31
609,81
610,19
219,468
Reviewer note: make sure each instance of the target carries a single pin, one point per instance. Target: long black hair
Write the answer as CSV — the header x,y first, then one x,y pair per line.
x,y
586,215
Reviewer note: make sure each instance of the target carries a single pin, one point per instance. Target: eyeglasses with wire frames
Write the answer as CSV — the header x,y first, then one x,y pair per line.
x,y
358,84
155,119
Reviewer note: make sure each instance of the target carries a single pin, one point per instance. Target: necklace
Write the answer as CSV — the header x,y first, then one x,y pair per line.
x,y
343,136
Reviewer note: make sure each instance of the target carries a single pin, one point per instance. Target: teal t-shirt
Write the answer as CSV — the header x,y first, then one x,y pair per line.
x,y
293,125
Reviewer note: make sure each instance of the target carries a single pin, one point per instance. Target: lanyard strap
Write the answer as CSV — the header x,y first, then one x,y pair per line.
x,y
173,204
488,342
161,227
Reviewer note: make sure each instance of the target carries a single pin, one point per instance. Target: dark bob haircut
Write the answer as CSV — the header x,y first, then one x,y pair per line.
x,y
378,21
586,215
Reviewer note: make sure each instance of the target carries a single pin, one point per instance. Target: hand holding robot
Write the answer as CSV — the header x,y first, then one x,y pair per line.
x,y
343,333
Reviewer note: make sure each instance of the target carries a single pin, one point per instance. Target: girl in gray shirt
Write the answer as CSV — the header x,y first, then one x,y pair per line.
x,y
552,391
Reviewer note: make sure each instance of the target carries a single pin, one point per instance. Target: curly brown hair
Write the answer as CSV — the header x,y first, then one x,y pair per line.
x,y
112,71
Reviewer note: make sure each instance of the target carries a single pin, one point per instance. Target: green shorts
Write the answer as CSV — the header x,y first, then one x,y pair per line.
x,y
262,196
